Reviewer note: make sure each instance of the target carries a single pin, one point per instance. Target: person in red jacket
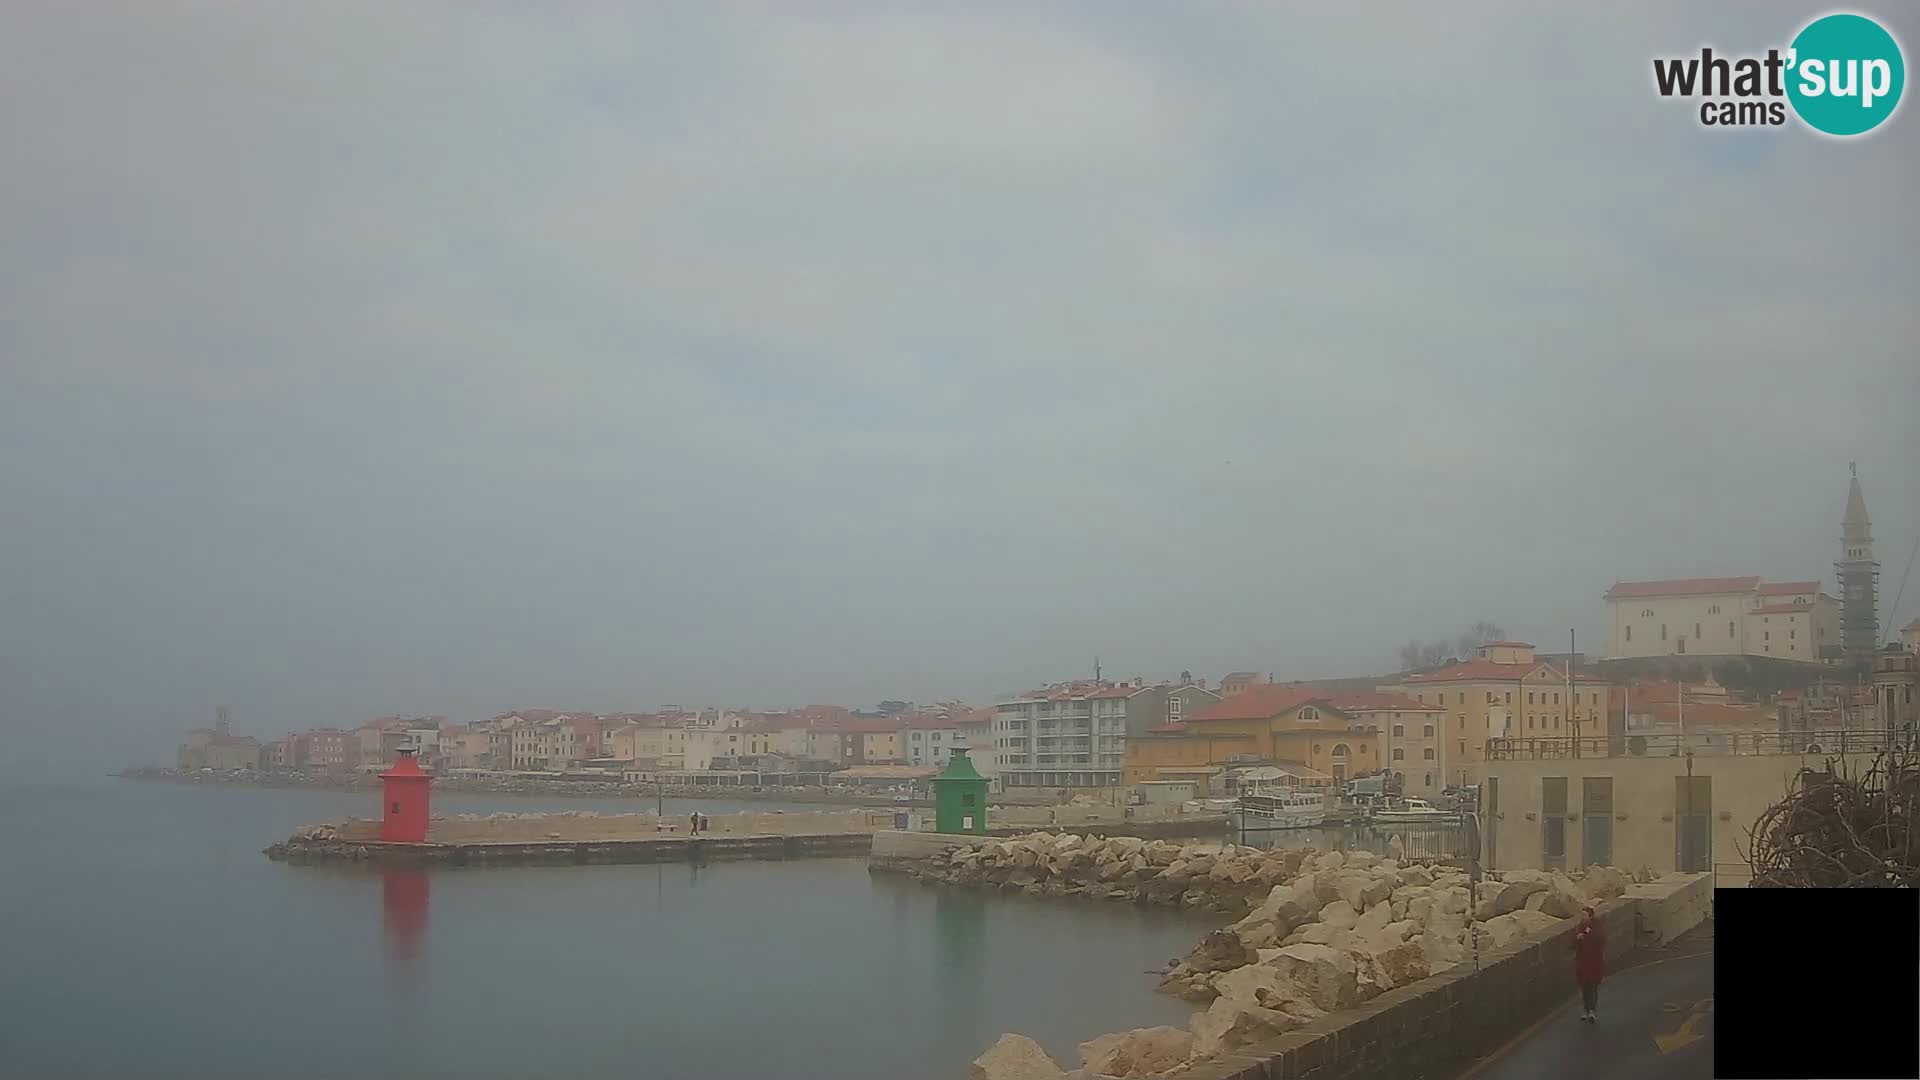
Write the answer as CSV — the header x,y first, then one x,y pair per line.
x,y
1589,962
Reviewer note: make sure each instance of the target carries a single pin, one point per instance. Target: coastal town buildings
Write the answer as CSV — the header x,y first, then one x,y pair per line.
x,y
1896,690
1406,737
1277,725
1503,692
1075,734
1239,682
218,748
1070,735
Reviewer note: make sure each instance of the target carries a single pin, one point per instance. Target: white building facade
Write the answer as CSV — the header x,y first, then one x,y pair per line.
x,y
1742,616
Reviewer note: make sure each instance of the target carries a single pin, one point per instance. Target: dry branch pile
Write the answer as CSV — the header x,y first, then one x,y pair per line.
x,y
1842,828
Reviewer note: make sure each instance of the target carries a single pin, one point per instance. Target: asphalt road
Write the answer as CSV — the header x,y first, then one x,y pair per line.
x,y
1656,1023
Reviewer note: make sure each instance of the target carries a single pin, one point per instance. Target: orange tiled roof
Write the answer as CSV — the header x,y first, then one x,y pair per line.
x,y
1479,671
1260,702
1623,590
1377,702
1789,588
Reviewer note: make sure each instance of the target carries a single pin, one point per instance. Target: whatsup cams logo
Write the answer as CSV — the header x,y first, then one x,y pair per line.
x,y
1841,75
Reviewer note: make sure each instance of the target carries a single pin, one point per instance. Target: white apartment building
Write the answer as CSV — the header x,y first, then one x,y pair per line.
x,y
1070,736
1739,616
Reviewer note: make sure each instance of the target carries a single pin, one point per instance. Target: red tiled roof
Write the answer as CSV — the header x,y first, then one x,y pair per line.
x,y
1377,702
1623,590
1260,702
862,725
1789,588
1479,671
930,722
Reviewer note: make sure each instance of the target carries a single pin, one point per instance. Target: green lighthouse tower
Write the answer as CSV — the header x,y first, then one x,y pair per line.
x,y
960,797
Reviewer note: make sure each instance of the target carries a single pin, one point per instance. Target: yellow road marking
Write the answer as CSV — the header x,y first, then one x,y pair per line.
x,y
1689,1031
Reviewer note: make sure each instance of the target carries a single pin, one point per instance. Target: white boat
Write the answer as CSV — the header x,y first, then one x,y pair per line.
x,y
1291,810
1411,812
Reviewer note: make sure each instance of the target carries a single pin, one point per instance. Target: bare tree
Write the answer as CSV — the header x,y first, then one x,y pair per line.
x,y
1417,655
1411,655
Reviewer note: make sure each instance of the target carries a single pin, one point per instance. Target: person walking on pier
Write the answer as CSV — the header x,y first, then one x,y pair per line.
x,y
1589,962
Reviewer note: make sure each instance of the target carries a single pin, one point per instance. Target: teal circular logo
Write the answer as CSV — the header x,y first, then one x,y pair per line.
x,y
1845,74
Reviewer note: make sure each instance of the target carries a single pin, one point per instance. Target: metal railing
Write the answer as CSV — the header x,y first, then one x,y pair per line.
x,y
1731,875
1828,743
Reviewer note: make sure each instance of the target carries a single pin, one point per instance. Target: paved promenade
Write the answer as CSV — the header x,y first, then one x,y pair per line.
x,y
1656,1023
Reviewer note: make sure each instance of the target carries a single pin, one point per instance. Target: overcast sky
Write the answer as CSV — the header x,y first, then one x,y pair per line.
x,y
445,358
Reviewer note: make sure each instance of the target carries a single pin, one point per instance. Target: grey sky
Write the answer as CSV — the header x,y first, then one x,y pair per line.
x,y
446,358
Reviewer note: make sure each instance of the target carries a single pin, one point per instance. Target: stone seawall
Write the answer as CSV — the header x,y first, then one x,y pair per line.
x,y
1433,1028
1326,944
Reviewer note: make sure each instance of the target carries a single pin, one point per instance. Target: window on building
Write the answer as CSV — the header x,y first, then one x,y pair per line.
x,y
1729,627
1696,630
1766,635
1529,697
1429,731
1399,730
1463,748
1462,700
1308,712
1792,634
1399,754
1427,753
1629,633
1429,779
1663,631
1714,610
1646,613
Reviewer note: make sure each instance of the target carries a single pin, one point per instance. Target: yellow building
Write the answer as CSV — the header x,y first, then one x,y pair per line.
x,y
1406,737
1262,724
880,747
1505,692
665,747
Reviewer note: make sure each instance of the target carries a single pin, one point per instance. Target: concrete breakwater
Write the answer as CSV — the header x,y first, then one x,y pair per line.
x,y
576,852
1326,946
592,838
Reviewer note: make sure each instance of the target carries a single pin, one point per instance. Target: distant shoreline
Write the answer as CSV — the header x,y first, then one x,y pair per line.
x,y
515,786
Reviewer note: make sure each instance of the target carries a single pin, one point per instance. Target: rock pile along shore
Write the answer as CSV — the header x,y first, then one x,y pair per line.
x,y
1318,932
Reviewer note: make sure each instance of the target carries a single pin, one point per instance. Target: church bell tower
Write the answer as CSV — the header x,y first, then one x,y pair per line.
x,y
1859,576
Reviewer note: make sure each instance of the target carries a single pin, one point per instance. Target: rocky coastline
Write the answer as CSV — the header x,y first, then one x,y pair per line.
x,y
1316,932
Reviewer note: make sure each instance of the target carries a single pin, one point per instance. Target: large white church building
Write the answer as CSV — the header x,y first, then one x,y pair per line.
x,y
1741,616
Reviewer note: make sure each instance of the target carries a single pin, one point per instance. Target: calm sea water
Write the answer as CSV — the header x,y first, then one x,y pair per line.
x,y
146,936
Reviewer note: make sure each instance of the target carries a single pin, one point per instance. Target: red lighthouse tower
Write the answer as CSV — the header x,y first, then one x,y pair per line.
x,y
404,795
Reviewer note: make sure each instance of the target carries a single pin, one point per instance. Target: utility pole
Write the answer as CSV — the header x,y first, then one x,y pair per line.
x,y
1573,723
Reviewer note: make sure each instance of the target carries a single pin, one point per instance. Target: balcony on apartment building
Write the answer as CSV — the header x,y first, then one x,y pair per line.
x,y
1829,741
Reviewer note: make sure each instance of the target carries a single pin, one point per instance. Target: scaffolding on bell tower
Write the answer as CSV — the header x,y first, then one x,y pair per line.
x,y
1858,574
